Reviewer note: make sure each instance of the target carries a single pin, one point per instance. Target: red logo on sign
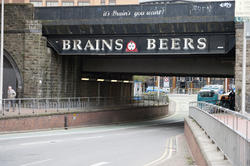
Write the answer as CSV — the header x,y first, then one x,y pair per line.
x,y
131,47
166,79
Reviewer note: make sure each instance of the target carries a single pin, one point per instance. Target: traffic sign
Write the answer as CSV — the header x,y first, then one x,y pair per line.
x,y
166,79
247,30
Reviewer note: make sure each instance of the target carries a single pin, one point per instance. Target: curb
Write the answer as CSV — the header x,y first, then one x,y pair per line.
x,y
210,153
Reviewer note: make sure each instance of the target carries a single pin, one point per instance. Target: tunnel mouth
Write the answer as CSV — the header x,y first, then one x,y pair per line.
x,y
11,76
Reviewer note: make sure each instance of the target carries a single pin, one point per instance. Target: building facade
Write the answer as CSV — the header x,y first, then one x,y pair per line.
x,y
40,3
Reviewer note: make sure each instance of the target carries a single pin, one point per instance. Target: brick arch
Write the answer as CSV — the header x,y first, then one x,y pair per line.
x,y
19,79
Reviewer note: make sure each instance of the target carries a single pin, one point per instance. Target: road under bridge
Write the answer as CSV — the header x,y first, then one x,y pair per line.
x,y
52,48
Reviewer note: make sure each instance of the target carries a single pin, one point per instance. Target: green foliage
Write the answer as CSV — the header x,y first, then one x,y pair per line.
x,y
190,160
238,92
154,95
142,78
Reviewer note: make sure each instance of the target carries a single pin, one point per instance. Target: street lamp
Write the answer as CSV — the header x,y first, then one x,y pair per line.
x,y
246,34
1,55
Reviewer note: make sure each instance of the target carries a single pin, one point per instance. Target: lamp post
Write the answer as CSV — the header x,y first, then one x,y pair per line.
x,y
158,87
1,55
246,34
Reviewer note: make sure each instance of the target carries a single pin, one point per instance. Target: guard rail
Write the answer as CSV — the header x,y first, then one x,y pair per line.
x,y
228,129
30,106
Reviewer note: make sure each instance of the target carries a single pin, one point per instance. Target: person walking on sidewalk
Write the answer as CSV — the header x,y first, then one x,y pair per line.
x,y
231,97
11,98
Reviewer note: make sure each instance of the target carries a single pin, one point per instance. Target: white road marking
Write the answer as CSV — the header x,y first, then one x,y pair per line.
x,y
35,162
99,164
59,141
9,137
41,142
86,138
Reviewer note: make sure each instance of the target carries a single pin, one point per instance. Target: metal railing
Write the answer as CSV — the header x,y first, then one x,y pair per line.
x,y
228,129
31,106
185,90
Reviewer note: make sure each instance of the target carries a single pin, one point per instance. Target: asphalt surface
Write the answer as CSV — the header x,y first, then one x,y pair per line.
x,y
135,144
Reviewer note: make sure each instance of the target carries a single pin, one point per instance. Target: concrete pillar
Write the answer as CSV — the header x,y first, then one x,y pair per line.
x,y
208,80
226,83
238,69
174,82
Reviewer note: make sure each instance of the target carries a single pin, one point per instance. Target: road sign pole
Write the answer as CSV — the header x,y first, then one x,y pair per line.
x,y
1,56
158,87
243,95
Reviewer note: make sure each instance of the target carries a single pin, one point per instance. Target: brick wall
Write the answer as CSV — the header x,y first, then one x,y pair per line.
x,y
15,28
194,145
44,73
82,118
238,69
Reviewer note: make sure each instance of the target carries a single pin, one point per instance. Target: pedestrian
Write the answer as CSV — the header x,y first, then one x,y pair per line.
x,y
11,97
231,97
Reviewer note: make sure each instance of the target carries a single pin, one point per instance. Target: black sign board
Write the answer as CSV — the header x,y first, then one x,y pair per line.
x,y
143,45
216,9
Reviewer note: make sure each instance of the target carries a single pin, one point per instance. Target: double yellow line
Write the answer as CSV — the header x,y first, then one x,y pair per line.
x,y
167,153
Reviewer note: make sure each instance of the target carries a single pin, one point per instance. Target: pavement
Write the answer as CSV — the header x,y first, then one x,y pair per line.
x,y
209,150
158,142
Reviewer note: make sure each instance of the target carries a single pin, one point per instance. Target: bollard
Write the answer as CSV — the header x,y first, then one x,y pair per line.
x,y
19,105
65,122
3,109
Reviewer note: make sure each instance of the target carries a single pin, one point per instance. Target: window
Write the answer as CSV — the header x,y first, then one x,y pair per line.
x,y
37,3
84,3
182,84
51,3
180,78
189,79
67,3
206,94
112,2
102,2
